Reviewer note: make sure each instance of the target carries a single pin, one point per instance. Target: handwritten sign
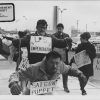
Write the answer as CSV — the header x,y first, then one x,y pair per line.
x,y
43,87
40,44
82,59
7,12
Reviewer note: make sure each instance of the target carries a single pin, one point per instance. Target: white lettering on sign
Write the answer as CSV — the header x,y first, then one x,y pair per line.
x,y
82,59
40,44
43,87
7,12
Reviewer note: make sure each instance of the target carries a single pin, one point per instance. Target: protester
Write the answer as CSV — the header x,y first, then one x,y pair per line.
x,y
61,35
63,51
48,69
15,52
90,51
39,43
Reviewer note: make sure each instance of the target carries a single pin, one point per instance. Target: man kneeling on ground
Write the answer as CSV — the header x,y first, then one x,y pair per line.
x,y
48,69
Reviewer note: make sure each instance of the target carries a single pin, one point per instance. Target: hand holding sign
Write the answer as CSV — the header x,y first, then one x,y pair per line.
x,y
82,59
15,89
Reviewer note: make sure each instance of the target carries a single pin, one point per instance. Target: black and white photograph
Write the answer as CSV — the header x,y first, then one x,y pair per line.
x,y
50,48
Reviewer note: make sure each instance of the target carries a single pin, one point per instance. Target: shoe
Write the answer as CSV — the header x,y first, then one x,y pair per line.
x,y
66,90
84,92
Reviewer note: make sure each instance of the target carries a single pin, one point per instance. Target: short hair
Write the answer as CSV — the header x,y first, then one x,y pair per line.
x,y
60,25
53,54
22,34
85,35
41,22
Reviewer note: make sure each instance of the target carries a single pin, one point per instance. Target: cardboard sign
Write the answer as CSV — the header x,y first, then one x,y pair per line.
x,y
7,12
40,44
43,87
82,59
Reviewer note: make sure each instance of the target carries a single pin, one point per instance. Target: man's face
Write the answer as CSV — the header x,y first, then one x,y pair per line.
x,y
41,29
83,40
52,65
59,29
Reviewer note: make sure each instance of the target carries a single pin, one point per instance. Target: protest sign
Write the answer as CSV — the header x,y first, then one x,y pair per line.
x,y
40,44
82,59
43,87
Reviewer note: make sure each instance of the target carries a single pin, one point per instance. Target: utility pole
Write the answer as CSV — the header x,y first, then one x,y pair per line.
x,y
55,18
86,27
77,24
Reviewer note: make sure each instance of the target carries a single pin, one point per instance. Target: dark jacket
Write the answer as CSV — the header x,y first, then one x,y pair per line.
x,y
61,36
64,51
36,57
90,49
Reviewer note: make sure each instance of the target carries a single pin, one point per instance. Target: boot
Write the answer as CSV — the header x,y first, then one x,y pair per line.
x,y
66,90
84,92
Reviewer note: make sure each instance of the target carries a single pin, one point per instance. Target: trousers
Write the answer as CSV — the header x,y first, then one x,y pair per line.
x,y
75,73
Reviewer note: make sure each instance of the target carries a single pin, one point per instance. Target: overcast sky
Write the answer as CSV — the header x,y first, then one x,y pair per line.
x,y
28,12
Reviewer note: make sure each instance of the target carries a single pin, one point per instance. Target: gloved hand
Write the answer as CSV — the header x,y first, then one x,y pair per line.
x,y
15,89
69,42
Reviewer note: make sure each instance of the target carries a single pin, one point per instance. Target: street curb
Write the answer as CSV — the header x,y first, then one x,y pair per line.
x,y
3,59
94,85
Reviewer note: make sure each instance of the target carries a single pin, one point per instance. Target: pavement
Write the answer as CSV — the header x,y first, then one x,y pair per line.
x,y
92,88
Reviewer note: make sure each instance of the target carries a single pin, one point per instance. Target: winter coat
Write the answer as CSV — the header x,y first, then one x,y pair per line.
x,y
90,50
62,51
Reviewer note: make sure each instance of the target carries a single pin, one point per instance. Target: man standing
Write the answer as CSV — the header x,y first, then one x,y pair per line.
x,y
63,51
61,35
48,69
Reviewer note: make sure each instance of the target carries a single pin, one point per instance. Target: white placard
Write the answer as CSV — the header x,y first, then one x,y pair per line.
x,y
40,44
43,87
7,12
82,59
